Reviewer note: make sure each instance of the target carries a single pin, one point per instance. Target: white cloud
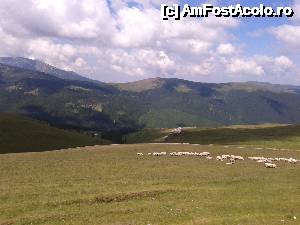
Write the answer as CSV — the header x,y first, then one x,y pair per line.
x,y
288,34
126,39
226,49
137,28
283,61
204,68
296,8
152,3
247,66
265,68
9,45
195,47
49,50
141,62
65,18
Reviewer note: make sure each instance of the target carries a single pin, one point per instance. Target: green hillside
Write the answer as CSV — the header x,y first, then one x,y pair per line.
x,y
18,134
62,103
151,103
276,136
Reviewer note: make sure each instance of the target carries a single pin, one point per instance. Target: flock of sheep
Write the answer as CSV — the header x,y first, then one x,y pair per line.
x,y
229,159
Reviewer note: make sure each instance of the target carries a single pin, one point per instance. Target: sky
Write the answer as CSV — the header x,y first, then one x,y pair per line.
x,y
126,40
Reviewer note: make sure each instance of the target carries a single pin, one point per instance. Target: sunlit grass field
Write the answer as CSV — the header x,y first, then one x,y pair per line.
x,y
269,135
111,185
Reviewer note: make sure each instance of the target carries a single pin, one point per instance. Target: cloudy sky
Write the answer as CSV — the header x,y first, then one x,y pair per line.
x,y
126,40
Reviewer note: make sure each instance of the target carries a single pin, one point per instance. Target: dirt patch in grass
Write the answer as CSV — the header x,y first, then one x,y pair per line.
x,y
6,223
113,198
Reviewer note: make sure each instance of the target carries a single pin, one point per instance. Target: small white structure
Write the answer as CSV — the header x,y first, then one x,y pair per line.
x,y
177,130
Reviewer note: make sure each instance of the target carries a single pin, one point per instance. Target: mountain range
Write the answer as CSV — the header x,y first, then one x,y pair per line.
x,y
37,65
68,100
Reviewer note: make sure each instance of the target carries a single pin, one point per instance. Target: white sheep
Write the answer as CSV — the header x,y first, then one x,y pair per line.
x,y
225,156
159,153
219,158
270,165
291,160
258,159
205,154
232,160
237,157
264,161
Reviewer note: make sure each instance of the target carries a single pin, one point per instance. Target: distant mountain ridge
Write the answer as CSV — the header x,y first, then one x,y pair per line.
x,y
37,65
154,83
150,103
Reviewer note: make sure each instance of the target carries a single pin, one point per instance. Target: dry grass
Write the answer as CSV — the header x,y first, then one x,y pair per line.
x,y
112,185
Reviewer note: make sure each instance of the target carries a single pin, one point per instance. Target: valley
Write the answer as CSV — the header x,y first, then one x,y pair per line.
x,y
77,151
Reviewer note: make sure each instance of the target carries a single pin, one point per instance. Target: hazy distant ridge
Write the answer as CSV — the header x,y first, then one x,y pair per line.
x,y
157,102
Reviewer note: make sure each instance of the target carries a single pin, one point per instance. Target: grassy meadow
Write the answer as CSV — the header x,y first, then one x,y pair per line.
x,y
268,135
22,134
111,185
